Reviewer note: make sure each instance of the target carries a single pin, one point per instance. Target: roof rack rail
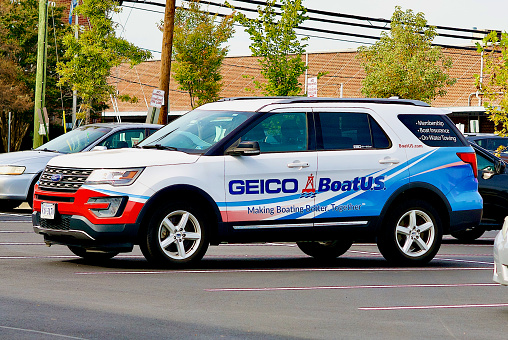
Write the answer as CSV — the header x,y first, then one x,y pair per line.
x,y
291,100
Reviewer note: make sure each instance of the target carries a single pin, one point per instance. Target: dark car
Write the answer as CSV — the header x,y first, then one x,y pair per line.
x,y
493,187
491,142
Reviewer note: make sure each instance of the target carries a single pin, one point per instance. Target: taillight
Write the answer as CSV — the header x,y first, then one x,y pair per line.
x,y
469,157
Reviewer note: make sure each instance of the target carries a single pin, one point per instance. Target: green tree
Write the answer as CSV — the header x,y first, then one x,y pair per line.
x,y
276,42
92,55
198,53
18,48
495,89
404,63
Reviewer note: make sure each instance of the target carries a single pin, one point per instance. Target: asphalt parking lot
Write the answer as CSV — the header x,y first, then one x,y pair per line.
x,y
268,291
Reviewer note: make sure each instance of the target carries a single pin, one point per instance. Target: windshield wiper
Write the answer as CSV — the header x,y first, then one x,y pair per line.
x,y
159,147
48,150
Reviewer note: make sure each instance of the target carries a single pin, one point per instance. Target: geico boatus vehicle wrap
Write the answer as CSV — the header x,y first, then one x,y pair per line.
x,y
322,172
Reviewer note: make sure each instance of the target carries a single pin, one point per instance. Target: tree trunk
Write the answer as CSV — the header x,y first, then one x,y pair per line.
x,y
19,128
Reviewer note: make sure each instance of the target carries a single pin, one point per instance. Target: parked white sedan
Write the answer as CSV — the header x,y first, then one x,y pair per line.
x,y
19,171
501,255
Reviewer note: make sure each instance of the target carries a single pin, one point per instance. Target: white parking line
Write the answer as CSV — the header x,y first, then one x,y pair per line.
x,y
15,232
463,261
265,289
221,271
40,332
436,306
22,244
38,257
17,221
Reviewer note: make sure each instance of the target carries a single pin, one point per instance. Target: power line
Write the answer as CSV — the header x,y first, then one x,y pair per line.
x,y
358,17
326,31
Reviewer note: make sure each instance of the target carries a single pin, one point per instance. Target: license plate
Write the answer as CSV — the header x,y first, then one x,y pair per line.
x,y
48,211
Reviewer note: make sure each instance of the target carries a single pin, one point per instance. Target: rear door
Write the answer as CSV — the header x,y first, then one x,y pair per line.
x,y
359,166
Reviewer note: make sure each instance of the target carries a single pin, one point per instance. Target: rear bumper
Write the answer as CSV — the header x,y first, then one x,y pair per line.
x,y
464,219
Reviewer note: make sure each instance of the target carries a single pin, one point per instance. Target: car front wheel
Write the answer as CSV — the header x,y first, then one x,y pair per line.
x,y
411,233
176,235
92,256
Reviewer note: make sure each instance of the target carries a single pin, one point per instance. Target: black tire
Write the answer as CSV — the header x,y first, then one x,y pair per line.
x,y
411,233
469,235
9,205
176,236
30,197
325,250
92,256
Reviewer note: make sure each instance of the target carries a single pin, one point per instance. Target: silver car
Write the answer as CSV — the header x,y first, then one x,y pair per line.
x,y
19,171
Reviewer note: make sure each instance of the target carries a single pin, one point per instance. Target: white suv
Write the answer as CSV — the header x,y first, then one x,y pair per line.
x,y
321,172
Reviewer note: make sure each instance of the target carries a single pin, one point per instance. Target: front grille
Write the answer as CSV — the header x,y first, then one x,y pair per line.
x,y
55,198
61,222
72,179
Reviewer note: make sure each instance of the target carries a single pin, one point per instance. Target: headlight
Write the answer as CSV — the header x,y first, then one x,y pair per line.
x,y
11,170
116,177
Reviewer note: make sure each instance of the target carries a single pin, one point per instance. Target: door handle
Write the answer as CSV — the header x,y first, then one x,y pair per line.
x,y
388,160
298,164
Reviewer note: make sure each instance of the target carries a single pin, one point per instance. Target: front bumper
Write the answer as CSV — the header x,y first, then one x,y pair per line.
x,y
73,230
76,224
15,187
501,255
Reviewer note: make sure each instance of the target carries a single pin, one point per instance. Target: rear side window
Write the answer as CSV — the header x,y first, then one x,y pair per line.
x,y
433,130
349,130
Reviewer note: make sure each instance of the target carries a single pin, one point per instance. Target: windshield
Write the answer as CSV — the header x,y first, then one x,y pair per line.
x,y
75,140
493,143
196,131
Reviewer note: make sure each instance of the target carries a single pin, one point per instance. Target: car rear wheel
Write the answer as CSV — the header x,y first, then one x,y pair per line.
x,y
92,255
411,233
325,250
469,235
177,235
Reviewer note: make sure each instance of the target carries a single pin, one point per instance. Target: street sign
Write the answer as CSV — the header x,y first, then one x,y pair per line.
x,y
312,87
157,99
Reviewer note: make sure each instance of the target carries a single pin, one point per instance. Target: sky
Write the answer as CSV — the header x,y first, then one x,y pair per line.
x,y
138,22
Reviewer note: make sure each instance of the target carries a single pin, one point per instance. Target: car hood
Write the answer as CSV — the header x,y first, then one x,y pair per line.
x,y
33,160
123,158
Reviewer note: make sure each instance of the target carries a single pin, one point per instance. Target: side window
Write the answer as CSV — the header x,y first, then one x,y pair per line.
x,y
280,132
433,130
379,138
484,163
348,130
124,139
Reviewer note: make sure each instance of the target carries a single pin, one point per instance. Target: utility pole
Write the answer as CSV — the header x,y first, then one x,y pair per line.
x,y
41,67
167,44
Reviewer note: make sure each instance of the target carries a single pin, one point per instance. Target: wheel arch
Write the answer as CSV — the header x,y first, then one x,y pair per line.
x,y
183,192
421,191
30,191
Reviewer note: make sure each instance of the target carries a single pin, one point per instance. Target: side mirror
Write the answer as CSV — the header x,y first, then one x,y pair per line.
x,y
99,148
500,167
246,148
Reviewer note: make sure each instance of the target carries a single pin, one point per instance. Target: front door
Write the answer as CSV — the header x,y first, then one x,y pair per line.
x,y
276,188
